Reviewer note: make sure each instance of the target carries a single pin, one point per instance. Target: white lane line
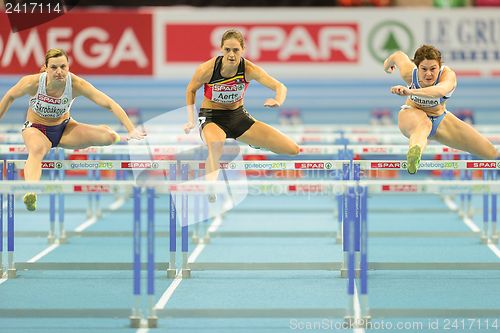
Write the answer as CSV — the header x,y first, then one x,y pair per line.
x,y
178,279
357,312
114,206
215,224
450,203
117,204
86,224
495,249
196,253
470,223
44,252
162,302
167,295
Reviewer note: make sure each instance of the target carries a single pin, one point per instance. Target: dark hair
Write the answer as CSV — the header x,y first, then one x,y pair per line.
x,y
52,53
427,52
233,33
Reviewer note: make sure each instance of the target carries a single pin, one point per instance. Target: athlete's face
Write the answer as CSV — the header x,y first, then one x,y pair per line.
x,y
232,51
428,71
57,69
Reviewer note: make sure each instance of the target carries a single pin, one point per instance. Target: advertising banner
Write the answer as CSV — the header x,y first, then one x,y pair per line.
x,y
329,42
98,42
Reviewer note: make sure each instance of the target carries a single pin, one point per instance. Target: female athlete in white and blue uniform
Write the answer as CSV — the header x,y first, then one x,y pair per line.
x,y
222,114
424,114
48,122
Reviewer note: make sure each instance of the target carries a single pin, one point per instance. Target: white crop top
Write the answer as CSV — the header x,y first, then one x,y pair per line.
x,y
48,106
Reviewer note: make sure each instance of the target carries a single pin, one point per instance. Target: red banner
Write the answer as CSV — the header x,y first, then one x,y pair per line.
x,y
284,42
97,42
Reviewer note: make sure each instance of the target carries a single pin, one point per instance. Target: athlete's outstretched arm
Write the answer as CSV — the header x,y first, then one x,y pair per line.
x,y
25,85
402,62
254,72
447,83
201,76
84,88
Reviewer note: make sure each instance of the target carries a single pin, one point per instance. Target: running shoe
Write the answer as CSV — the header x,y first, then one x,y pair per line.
x,y
29,200
413,159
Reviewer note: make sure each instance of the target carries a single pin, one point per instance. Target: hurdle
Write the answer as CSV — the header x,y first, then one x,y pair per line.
x,y
305,138
136,315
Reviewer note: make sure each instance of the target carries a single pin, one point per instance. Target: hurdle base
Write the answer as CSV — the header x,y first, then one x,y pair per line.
x,y
344,273
152,322
51,239
171,273
1,272
351,323
483,239
195,239
494,239
186,273
63,239
11,273
206,239
135,321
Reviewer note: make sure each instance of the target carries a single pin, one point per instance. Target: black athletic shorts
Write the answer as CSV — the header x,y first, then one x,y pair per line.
x,y
233,122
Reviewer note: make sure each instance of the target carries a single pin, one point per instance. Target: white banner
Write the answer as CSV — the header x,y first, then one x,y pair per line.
x,y
328,42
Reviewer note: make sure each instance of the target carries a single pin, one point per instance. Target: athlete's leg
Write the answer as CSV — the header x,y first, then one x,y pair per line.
x,y
214,137
38,146
79,135
457,134
265,136
415,125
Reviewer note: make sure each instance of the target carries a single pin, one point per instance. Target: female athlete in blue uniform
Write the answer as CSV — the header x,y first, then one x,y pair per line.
x,y
222,114
48,122
424,114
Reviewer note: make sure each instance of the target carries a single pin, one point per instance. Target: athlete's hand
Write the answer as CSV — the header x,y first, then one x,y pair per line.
x,y
389,66
188,127
271,103
138,133
401,91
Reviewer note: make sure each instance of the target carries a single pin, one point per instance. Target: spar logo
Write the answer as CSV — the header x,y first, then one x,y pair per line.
x,y
386,165
311,150
298,41
49,100
139,165
389,36
313,188
92,188
375,150
48,165
22,149
483,165
312,165
224,87
400,188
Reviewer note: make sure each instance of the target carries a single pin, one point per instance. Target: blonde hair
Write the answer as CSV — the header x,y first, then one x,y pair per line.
x,y
52,53
233,33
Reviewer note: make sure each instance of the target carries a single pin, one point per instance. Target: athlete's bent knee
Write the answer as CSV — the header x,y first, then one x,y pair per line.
x,y
293,149
38,151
